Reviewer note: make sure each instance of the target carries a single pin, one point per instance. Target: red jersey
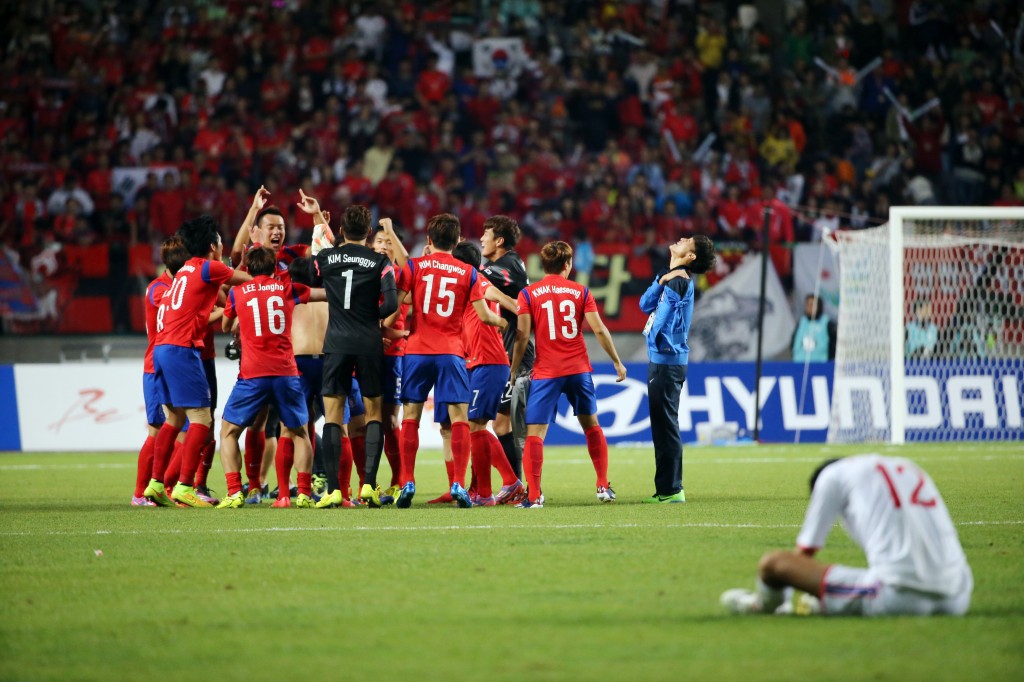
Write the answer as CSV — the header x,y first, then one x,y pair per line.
x,y
264,310
557,306
154,294
187,306
209,351
397,347
442,288
484,343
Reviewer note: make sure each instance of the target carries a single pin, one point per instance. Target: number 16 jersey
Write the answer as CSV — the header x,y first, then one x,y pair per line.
x,y
558,306
354,277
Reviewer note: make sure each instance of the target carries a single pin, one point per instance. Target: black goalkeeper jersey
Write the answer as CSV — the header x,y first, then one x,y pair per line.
x,y
355,277
508,273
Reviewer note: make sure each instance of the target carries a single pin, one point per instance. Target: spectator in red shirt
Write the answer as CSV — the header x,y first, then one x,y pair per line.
x,y
432,84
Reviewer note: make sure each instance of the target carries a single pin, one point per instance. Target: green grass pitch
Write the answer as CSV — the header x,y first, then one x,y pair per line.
x,y
575,591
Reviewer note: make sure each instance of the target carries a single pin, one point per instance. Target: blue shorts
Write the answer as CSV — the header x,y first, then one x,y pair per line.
x,y
210,368
311,370
250,395
355,407
543,402
392,384
487,383
155,400
181,377
446,374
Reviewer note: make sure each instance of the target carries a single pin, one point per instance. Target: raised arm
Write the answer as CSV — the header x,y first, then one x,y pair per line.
x,y
506,302
308,204
245,231
399,250
605,339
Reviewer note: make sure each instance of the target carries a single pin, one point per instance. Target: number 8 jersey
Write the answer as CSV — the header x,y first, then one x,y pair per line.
x,y
264,308
442,286
557,306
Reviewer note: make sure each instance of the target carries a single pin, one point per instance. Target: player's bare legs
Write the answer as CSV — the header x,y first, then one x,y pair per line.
x,y
597,447
777,571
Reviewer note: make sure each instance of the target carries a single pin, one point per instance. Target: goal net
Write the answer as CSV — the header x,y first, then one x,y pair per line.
x,y
930,340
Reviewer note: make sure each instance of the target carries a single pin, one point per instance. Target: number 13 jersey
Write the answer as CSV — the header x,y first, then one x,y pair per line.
x,y
557,306
442,286
354,277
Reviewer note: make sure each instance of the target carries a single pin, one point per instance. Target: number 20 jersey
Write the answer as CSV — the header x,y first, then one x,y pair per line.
x,y
442,287
558,306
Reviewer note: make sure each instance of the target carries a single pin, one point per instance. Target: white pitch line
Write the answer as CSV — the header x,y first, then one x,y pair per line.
x,y
403,529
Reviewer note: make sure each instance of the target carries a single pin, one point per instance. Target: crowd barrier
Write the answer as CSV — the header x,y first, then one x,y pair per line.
x,y
99,407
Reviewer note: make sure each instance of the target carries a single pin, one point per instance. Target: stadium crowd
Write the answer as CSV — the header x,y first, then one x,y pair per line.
x,y
620,123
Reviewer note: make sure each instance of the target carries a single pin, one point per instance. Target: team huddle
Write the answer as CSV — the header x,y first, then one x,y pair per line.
x,y
354,329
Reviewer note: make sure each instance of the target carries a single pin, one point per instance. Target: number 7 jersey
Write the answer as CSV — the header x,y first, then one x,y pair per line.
x,y
558,306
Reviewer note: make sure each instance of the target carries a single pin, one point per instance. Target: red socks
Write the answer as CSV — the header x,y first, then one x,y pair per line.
x,y
410,444
481,454
392,450
498,460
145,466
234,480
345,468
173,471
449,466
255,443
597,446
284,458
192,452
204,465
162,447
305,483
460,450
359,457
533,462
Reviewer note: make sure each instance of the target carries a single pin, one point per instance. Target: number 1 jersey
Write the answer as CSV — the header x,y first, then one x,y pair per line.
x,y
264,308
354,277
442,287
557,306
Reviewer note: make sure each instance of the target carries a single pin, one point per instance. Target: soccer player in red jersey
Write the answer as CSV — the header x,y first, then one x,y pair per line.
x,y
268,372
488,366
441,287
173,254
181,325
557,306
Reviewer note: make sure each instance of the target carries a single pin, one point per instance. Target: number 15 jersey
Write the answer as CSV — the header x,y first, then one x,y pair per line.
x,y
354,277
558,306
442,286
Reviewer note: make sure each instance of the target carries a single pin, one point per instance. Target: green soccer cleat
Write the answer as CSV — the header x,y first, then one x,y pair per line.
x,y
330,500
677,498
370,495
236,501
156,493
304,502
186,495
390,495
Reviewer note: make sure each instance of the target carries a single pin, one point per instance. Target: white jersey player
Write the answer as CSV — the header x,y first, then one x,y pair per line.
x,y
892,509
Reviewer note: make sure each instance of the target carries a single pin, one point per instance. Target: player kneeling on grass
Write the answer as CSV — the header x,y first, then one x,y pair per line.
x,y
892,509
556,307
267,373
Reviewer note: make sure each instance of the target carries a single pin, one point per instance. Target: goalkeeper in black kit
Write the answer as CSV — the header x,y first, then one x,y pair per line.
x,y
505,269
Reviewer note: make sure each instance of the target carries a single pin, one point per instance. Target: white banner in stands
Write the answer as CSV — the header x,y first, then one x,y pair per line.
x,y
98,407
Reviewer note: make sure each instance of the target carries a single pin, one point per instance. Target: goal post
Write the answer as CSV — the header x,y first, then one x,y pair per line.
x,y
931,327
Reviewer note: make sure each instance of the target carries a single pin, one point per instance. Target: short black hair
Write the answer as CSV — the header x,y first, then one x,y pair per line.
x,y
469,253
504,227
268,210
355,223
704,250
260,260
821,467
199,234
444,231
298,269
173,253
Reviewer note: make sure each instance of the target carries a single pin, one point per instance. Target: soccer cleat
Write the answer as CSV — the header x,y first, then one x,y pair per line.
x,y
741,601
677,498
186,495
390,495
330,500
207,495
319,485
156,494
460,496
405,497
253,496
484,501
525,503
282,503
349,504
304,502
606,494
370,495
142,502
510,494
235,501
